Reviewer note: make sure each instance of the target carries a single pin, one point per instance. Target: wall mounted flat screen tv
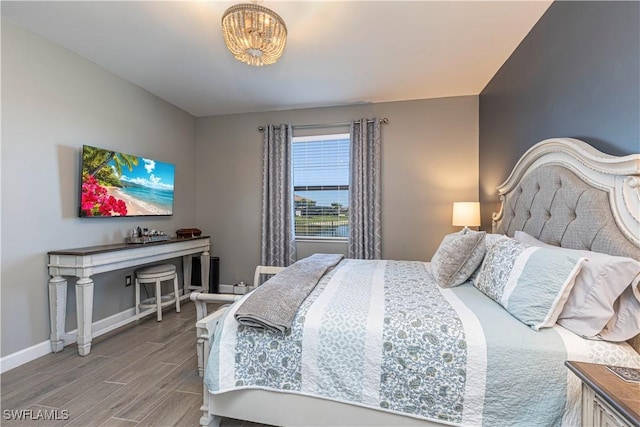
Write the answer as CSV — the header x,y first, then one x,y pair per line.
x,y
119,184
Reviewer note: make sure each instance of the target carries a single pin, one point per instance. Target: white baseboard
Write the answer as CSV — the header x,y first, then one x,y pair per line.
x,y
26,355
21,357
225,289
110,323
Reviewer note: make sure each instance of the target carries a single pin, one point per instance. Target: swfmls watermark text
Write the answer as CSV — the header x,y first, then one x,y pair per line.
x,y
35,414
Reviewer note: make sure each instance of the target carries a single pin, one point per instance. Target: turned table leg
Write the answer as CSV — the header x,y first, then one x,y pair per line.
x,y
57,311
84,310
204,270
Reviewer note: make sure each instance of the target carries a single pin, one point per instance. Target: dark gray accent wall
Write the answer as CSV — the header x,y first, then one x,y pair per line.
x,y
576,74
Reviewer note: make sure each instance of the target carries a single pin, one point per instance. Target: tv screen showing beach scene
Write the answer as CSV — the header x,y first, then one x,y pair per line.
x,y
119,184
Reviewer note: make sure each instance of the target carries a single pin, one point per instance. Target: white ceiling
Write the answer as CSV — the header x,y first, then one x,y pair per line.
x,y
338,52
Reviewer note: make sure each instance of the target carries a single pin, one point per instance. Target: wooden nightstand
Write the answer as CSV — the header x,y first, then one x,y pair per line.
x,y
606,399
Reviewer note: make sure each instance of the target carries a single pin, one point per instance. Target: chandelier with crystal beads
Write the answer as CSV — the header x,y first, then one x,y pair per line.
x,y
254,34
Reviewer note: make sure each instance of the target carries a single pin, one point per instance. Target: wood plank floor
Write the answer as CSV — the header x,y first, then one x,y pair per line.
x,y
143,374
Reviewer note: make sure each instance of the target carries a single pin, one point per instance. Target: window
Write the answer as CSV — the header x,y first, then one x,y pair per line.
x,y
321,185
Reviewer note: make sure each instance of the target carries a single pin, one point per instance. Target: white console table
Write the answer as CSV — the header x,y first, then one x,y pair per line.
x,y
83,263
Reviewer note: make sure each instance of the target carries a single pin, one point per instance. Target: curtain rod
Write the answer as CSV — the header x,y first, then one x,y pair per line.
x,y
326,125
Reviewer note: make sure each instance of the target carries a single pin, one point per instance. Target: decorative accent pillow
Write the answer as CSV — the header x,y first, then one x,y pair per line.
x,y
490,239
457,257
605,301
531,283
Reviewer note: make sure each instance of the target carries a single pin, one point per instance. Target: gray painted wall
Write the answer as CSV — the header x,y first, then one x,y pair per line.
x,y
577,74
53,101
429,160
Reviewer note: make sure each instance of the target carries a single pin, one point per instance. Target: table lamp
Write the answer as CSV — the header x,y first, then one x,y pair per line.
x,y
466,214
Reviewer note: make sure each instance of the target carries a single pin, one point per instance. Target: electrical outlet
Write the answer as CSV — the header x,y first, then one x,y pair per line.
x,y
127,281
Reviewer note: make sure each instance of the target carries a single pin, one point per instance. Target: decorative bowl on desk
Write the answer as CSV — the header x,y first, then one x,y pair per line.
x,y
185,233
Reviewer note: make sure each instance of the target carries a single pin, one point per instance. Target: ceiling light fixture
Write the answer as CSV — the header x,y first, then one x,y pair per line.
x,y
254,34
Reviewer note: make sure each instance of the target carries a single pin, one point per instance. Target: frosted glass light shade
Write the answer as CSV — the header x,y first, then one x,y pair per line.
x,y
466,214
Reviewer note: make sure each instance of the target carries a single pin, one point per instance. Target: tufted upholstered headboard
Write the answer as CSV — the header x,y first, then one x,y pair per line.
x,y
566,193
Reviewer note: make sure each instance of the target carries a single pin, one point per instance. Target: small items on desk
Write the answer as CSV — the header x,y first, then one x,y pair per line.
x,y
144,235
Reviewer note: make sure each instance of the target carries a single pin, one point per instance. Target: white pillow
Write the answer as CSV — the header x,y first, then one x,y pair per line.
x,y
605,301
530,282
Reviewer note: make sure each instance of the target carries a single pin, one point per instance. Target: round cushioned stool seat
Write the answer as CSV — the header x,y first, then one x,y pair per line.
x,y
157,274
155,271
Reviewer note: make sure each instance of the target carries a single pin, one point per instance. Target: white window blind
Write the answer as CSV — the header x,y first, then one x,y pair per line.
x,y
321,185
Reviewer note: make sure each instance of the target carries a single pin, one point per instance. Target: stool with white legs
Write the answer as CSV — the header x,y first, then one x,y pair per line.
x,y
157,274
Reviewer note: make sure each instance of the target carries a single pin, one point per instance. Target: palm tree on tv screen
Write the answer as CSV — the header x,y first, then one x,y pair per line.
x,y
95,160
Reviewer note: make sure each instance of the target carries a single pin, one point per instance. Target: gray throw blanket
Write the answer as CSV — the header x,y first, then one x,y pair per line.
x,y
274,304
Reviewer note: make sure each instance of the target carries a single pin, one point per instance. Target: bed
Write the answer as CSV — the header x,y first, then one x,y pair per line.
x,y
381,342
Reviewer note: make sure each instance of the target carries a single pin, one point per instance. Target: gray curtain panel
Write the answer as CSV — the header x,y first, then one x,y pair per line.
x,y
278,239
365,235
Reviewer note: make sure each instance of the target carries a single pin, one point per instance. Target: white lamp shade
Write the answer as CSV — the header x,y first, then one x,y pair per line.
x,y
466,214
